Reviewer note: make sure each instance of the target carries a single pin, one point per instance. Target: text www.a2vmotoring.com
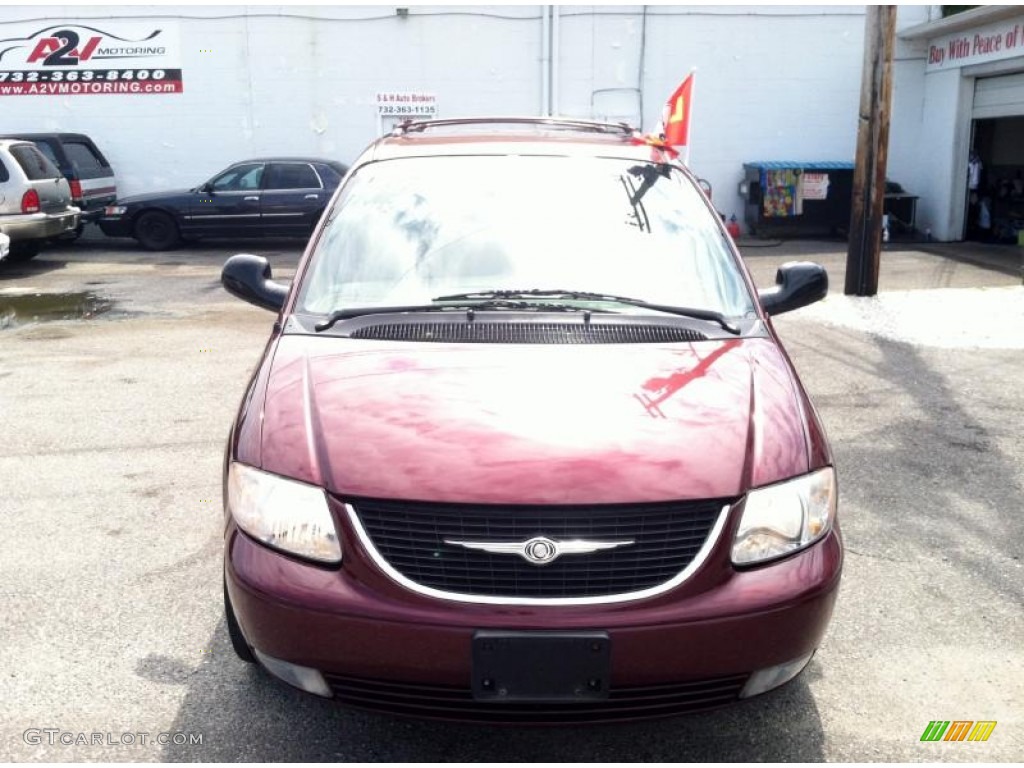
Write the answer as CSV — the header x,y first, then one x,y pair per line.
x,y
74,89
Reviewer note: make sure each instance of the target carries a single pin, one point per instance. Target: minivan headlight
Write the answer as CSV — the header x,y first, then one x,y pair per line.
x,y
284,514
783,518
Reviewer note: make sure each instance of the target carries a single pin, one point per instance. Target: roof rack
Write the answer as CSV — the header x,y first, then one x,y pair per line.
x,y
419,126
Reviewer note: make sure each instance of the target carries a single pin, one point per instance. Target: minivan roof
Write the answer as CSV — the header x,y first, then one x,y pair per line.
x,y
516,136
9,141
41,136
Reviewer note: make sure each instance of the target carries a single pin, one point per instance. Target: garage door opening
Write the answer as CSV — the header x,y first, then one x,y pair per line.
x,y
995,171
995,184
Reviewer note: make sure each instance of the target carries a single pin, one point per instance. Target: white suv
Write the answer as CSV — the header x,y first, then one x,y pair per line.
x,y
35,199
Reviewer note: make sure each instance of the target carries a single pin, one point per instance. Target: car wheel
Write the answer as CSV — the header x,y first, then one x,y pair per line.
x,y
23,251
156,231
242,649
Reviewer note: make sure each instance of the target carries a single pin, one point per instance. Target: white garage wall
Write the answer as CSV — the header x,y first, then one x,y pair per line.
x,y
287,80
908,105
773,82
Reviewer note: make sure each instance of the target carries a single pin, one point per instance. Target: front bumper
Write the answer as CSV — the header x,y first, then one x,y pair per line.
x,y
39,226
389,649
114,226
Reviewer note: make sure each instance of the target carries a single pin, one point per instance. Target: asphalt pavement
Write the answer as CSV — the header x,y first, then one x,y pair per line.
x,y
112,430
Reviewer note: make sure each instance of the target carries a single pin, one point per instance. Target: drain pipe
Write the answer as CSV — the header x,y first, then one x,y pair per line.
x,y
556,15
545,61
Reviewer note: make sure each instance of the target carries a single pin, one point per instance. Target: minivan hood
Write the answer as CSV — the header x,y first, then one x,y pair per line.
x,y
532,424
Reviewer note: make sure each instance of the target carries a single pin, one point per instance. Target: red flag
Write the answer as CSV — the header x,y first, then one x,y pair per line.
x,y
676,118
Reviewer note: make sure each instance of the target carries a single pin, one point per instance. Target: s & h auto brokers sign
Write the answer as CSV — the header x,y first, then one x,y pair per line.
x,y
72,59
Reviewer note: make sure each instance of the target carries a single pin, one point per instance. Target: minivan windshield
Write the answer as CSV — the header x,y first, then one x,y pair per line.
x,y
407,232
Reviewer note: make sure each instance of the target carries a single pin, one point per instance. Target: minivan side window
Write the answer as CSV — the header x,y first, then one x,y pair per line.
x,y
34,163
291,176
5,175
82,157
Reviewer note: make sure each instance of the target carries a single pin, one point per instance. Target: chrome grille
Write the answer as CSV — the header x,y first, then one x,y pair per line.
x,y
528,333
411,538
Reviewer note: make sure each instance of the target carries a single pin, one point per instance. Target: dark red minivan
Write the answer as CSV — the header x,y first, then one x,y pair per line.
x,y
523,446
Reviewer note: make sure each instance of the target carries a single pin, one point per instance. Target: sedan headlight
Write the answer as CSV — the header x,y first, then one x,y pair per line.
x,y
783,518
284,514
115,210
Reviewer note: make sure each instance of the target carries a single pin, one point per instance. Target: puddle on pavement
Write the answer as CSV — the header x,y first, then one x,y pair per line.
x,y
19,309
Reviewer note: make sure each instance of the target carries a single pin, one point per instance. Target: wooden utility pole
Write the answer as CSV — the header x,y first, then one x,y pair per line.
x,y
864,251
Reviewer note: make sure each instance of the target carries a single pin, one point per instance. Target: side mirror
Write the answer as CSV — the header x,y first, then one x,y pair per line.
x,y
248,277
797,284
207,188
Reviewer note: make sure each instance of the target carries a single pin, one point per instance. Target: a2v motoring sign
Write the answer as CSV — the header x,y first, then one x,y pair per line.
x,y
77,59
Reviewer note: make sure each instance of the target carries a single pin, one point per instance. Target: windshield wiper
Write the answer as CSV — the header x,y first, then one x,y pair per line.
x,y
639,212
487,303
650,175
557,293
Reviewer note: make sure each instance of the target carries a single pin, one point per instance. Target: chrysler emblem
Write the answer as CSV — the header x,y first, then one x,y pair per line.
x,y
540,550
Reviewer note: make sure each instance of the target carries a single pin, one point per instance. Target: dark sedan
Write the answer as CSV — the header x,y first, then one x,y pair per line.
x,y
253,198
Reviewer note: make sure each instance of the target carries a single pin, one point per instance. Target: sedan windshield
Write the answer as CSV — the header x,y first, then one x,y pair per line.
x,y
411,231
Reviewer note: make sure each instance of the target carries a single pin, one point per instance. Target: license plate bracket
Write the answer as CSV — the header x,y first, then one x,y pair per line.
x,y
541,666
